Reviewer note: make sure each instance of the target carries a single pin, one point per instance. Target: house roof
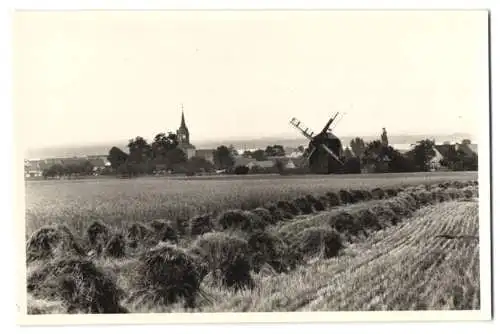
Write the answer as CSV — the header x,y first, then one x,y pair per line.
x,y
98,162
445,149
263,164
242,161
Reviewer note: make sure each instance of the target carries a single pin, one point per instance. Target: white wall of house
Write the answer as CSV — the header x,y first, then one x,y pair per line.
x,y
435,163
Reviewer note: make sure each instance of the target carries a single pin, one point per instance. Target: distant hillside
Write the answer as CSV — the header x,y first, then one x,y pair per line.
x,y
97,149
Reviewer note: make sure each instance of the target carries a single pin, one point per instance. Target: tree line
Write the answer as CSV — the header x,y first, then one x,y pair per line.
x,y
377,157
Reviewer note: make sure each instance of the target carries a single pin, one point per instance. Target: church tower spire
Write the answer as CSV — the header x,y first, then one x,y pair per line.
x,y
183,122
183,132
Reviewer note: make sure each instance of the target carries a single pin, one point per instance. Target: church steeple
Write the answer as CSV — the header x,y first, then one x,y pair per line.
x,y
183,122
183,132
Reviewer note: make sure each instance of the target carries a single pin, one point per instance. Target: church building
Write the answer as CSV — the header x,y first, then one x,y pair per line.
x,y
188,148
183,137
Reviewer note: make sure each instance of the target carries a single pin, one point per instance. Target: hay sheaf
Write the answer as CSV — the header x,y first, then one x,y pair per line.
x,y
78,283
289,207
268,248
385,214
378,193
360,195
240,220
165,230
98,235
345,196
303,205
227,257
200,224
115,247
315,203
265,215
344,223
319,241
50,242
391,192
277,213
140,234
167,274
367,219
333,198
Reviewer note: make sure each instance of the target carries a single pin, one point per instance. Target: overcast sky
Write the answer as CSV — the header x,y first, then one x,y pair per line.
x,y
87,77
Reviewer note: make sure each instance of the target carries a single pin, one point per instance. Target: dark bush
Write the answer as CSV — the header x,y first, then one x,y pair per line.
x,y
227,257
82,286
241,170
50,242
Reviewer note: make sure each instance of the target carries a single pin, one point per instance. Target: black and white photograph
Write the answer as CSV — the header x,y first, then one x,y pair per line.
x,y
269,162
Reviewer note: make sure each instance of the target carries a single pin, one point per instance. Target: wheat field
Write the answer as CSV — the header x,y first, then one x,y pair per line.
x,y
407,242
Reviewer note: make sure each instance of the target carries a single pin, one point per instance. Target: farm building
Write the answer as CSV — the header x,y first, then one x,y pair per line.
x,y
188,148
260,164
207,154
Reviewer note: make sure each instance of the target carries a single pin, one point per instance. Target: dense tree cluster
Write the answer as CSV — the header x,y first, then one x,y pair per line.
x,y
81,168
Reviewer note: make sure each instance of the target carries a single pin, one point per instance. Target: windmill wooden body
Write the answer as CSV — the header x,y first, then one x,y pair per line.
x,y
324,153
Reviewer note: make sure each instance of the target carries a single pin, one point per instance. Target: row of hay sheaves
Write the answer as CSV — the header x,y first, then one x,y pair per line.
x,y
171,259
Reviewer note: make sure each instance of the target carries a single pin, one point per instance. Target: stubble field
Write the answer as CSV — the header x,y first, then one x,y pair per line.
x,y
320,243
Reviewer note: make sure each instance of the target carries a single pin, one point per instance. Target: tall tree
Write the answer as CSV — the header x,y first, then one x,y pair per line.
x,y
163,143
275,151
223,158
117,157
259,155
422,154
140,150
348,153
233,150
174,157
358,146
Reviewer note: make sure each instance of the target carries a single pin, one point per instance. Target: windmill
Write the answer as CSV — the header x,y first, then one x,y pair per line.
x,y
325,149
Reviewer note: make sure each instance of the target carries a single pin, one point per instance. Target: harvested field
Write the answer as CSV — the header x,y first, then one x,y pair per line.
x,y
412,246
